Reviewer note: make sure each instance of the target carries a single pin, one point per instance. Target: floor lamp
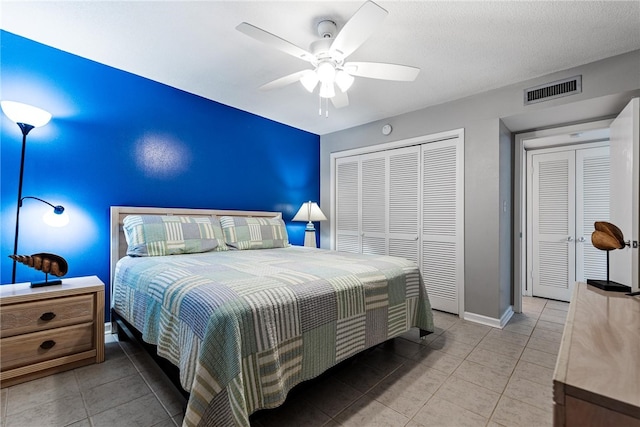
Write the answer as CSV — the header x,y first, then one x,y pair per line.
x,y
309,212
27,118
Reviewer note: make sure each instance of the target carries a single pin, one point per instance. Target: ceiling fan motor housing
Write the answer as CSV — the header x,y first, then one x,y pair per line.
x,y
327,29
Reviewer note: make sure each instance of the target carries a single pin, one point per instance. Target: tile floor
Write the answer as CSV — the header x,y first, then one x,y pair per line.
x,y
463,375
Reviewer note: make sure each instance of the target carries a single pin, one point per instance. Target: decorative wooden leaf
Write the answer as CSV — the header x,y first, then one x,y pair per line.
x,y
607,236
45,262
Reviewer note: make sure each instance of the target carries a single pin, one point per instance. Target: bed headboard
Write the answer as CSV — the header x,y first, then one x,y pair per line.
x,y
118,213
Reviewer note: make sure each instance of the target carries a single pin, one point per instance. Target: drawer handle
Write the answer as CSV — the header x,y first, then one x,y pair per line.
x,y
47,316
47,344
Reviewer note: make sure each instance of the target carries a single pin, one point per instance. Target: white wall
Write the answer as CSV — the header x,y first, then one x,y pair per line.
x,y
607,87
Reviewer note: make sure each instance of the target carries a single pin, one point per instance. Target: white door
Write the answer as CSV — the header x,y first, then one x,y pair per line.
x,y
407,202
625,192
553,264
374,203
592,204
348,205
404,203
570,191
377,203
442,223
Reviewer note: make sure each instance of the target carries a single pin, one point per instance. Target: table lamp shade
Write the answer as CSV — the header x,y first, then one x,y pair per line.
x,y
310,211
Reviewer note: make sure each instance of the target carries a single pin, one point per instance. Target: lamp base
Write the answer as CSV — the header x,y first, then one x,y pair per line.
x,y
310,238
46,283
608,285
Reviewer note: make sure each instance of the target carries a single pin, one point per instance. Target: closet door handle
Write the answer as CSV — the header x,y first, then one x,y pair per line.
x,y
569,239
581,239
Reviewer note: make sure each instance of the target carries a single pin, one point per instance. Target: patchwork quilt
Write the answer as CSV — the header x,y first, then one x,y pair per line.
x,y
245,327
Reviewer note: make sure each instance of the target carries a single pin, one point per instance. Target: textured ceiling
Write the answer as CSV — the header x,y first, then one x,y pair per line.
x,y
463,48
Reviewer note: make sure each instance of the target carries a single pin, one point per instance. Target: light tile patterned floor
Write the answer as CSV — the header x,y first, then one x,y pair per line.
x,y
463,375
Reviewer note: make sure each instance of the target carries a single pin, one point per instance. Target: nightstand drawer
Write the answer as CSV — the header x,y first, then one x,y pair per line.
x,y
34,316
31,348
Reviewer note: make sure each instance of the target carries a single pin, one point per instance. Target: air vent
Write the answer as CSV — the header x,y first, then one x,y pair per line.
x,y
553,90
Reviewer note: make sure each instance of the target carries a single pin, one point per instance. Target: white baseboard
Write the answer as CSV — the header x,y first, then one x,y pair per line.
x,y
490,321
107,328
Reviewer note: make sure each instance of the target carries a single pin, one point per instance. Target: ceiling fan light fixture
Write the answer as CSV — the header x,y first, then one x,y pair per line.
x,y
327,90
326,72
309,80
328,55
344,80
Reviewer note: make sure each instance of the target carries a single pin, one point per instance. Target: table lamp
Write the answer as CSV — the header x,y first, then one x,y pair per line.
x,y
310,212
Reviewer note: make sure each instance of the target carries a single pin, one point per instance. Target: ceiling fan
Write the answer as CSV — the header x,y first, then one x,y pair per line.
x,y
327,56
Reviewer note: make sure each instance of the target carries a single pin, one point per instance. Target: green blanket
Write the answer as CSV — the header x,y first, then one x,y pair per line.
x,y
244,327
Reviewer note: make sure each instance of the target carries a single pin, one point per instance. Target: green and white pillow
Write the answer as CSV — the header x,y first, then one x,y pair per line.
x,y
159,235
254,233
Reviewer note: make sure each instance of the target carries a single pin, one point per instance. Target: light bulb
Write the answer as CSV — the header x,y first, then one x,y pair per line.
x,y
309,80
326,72
344,80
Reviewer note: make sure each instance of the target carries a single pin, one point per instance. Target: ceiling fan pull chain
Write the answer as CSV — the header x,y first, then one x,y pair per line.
x,y
326,106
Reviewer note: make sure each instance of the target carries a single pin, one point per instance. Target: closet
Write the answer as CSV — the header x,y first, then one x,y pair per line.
x,y
569,191
407,202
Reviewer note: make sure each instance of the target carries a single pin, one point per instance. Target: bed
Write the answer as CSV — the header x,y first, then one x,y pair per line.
x,y
244,315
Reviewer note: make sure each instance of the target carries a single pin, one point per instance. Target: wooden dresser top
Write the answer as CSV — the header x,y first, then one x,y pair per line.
x,y
599,358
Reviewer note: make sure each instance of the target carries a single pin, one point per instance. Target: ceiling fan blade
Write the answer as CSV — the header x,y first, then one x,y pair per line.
x,y
381,70
284,81
340,99
274,41
359,28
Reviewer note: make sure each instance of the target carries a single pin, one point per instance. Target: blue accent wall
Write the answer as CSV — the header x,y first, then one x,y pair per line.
x,y
120,139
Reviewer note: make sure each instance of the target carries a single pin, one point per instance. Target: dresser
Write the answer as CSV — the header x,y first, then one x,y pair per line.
x,y
50,329
597,377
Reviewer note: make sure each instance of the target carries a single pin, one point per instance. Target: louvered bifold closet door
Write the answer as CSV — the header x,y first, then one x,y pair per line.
x,y
348,204
592,204
553,225
404,199
442,223
374,203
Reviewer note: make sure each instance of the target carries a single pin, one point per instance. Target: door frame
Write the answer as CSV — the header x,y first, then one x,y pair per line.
x,y
545,138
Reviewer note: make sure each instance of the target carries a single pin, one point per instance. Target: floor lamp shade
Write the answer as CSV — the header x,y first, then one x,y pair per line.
x,y
26,114
310,212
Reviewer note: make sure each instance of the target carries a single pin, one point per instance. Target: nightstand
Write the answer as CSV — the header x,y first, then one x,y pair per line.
x,y
50,329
